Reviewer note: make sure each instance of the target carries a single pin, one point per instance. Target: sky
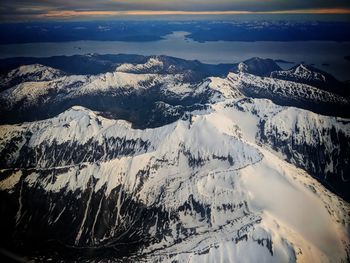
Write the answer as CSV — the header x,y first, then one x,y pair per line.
x,y
19,10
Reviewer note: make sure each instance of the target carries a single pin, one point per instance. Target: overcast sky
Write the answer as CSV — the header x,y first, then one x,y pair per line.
x,y
48,9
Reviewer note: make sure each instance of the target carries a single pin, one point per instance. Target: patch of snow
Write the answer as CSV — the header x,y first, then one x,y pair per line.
x,y
10,182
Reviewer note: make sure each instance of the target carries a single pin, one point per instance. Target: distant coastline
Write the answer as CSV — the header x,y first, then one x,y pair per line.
x,y
199,31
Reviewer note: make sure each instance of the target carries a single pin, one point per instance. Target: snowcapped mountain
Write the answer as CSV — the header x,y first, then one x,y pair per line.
x,y
94,64
312,76
109,93
302,73
26,73
139,166
291,93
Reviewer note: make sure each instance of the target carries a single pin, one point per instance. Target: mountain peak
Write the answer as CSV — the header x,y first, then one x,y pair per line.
x,y
308,71
258,66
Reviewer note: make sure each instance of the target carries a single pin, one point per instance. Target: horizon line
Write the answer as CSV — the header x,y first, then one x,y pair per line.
x,y
72,13
67,14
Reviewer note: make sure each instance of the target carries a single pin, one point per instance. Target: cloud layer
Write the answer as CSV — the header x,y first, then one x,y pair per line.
x,y
40,9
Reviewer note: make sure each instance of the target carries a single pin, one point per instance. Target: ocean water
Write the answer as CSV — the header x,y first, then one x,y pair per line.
x,y
325,55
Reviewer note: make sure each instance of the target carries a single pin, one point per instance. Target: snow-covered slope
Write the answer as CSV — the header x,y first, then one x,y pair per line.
x,y
231,176
317,143
282,90
109,92
290,93
207,187
153,64
35,72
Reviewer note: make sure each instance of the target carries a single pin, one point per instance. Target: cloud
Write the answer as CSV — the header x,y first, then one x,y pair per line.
x,y
42,9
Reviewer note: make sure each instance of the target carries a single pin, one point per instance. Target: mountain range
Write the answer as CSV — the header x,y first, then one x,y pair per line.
x,y
127,158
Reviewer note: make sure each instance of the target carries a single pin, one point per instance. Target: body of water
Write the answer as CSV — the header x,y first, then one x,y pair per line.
x,y
325,55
